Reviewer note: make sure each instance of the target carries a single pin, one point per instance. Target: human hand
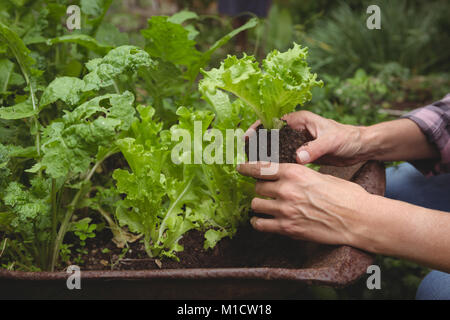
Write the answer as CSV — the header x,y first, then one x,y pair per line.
x,y
307,205
334,143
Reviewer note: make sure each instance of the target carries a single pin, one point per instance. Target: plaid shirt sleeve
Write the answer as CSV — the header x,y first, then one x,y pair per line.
x,y
434,121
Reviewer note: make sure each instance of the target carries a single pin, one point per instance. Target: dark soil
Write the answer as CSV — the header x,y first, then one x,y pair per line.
x,y
248,248
289,141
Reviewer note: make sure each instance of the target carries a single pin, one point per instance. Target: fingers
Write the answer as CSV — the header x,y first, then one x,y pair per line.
x,y
303,120
271,207
266,225
295,120
313,150
260,170
310,121
252,129
267,189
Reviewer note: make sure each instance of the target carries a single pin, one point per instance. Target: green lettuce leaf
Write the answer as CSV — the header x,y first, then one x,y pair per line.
x,y
156,199
284,82
164,200
103,71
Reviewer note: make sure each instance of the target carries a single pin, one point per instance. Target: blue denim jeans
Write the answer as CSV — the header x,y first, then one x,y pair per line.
x,y
405,183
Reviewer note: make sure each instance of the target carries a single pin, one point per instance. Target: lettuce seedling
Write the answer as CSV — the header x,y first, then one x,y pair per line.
x,y
163,200
283,82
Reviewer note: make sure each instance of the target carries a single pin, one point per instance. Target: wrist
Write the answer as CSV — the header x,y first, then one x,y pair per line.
x,y
369,141
363,231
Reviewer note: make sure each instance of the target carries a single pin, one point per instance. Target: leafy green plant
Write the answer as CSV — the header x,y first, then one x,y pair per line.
x,y
284,83
65,252
84,229
171,85
59,125
362,95
165,200
71,142
357,100
38,24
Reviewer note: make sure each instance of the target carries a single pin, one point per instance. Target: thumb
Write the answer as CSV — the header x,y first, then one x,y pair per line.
x,y
311,151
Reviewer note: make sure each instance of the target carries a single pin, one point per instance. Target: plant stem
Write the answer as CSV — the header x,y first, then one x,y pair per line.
x,y
147,245
57,55
72,207
4,246
64,226
258,39
35,108
54,218
116,87
169,212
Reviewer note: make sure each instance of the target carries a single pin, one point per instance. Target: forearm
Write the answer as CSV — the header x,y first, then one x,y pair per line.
x,y
394,141
399,229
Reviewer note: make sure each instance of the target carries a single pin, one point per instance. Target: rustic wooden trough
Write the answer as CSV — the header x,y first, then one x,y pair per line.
x,y
335,266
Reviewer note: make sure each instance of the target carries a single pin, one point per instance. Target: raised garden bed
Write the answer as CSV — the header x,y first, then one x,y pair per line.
x,y
251,265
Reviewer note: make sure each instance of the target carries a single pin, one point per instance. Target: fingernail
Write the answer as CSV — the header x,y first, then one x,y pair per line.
x,y
303,156
253,220
248,133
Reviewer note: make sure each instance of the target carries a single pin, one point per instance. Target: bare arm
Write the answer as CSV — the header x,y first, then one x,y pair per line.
x,y
399,229
398,140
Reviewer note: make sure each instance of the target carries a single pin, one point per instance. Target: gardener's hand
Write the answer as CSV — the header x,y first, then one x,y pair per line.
x,y
334,144
305,204
341,145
